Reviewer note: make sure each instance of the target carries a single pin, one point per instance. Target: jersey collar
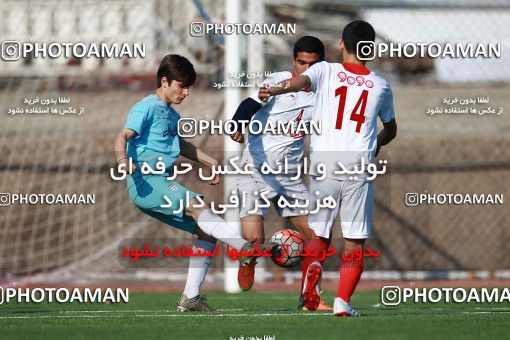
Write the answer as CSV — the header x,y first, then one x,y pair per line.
x,y
356,69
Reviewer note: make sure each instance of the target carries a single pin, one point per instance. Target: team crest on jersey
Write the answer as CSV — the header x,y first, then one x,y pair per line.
x,y
171,132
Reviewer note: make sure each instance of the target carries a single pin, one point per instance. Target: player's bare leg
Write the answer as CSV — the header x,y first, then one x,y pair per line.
x,y
301,225
191,300
252,227
311,266
350,273
215,226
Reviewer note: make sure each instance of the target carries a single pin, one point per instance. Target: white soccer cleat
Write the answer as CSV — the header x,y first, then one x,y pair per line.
x,y
196,304
343,309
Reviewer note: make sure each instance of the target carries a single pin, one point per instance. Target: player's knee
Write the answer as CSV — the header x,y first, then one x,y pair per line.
x,y
351,244
301,225
195,209
253,237
252,227
307,232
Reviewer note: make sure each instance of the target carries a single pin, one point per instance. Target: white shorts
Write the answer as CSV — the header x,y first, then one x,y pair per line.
x,y
275,186
355,200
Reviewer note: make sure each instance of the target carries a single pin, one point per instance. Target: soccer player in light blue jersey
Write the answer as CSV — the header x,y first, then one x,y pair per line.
x,y
151,132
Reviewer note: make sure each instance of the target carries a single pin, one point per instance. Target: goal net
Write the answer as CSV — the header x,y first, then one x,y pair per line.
x,y
71,152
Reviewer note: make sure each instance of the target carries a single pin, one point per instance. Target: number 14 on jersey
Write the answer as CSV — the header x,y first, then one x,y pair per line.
x,y
355,116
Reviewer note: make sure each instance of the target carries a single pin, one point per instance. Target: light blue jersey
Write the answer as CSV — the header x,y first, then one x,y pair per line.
x,y
155,124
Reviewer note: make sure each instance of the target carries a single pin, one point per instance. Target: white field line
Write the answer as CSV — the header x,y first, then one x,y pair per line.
x,y
135,313
182,315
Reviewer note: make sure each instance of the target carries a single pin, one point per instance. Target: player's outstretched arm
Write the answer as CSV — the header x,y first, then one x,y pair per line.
x,y
295,84
119,146
193,153
245,111
387,134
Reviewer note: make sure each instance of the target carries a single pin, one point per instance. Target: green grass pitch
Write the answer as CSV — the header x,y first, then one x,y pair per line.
x,y
251,315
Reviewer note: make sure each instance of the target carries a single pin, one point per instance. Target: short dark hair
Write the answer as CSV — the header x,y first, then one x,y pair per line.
x,y
355,32
176,67
309,44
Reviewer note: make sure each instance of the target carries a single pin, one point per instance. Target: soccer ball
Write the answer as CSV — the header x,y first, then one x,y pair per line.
x,y
291,246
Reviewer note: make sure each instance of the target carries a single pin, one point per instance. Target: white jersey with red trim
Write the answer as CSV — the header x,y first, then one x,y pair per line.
x,y
349,100
284,109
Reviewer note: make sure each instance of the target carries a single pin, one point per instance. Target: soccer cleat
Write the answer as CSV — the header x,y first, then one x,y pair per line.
x,y
311,288
249,248
323,306
246,275
196,304
272,246
343,309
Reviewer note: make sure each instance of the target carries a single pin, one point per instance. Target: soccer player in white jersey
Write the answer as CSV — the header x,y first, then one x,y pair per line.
x,y
294,108
349,99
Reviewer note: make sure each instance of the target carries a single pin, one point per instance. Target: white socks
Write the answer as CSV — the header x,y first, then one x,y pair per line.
x,y
198,266
212,225
215,226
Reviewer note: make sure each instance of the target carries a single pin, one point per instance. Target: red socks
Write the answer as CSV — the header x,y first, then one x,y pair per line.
x,y
350,273
350,270
317,246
